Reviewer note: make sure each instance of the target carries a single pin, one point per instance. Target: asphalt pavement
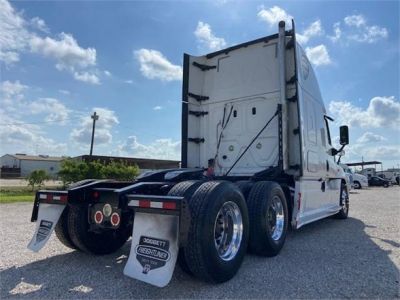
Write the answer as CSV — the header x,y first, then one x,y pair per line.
x,y
354,258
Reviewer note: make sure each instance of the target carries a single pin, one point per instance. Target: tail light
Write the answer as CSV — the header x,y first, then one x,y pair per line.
x,y
98,217
96,195
115,219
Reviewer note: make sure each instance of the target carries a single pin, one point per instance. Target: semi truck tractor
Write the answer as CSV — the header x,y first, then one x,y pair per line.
x,y
257,159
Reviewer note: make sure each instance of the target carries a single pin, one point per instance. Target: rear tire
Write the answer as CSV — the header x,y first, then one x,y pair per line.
x,y
184,189
98,243
218,233
344,202
357,185
61,230
268,215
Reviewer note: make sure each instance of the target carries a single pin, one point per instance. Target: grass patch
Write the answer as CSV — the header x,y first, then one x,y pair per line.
x,y
10,196
19,194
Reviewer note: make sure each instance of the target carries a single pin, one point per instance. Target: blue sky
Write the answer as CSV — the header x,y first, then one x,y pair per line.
x,y
62,60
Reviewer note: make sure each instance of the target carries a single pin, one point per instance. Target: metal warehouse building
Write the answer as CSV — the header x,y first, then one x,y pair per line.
x,y
21,165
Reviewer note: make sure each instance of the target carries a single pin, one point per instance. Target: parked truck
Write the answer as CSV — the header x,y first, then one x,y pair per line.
x,y
359,181
257,157
393,177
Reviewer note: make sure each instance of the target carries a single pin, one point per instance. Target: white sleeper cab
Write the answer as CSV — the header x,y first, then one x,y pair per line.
x,y
257,157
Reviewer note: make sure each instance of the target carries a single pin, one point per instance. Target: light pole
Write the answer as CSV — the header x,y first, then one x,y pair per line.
x,y
95,117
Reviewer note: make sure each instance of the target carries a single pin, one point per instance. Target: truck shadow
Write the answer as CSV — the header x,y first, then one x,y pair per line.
x,y
329,258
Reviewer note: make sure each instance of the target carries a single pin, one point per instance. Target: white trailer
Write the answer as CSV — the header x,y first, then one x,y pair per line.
x,y
257,158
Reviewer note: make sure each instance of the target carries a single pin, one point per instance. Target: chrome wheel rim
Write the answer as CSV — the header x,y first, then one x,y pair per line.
x,y
275,218
228,230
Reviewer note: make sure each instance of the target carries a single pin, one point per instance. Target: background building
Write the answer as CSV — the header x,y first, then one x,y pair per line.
x,y
21,165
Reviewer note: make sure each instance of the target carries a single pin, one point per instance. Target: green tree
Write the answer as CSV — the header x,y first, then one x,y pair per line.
x,y
37,177
94,169
120,171
73,171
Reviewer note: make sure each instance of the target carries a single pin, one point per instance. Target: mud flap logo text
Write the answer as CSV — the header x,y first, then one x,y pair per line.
x,y
43,231
152,253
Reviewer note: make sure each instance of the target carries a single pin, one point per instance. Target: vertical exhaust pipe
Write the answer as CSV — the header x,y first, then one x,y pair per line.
x,y
284,151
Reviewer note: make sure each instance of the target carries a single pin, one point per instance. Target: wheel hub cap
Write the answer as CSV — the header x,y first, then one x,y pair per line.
x,y
228,230
275,218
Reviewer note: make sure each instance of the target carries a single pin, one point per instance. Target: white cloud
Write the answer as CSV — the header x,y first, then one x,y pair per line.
x,y
274,15
371,35
314,29
159,149
382,153
13,103
55,110
65,92
369,137
13,34
158,107
9,57
104,125
11,89
207,39
17,134
12,95
129,81
39,24
17,36
318,55
87,77
107,73
337,31
65,51
355,20
154,65
26,138
381,112
357,29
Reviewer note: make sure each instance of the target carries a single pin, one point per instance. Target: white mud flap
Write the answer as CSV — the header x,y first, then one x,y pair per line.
x,y
154,248
46,222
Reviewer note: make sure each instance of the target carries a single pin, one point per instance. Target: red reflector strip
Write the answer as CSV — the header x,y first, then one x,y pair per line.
x,y
53,198
169,205
153,204
144,203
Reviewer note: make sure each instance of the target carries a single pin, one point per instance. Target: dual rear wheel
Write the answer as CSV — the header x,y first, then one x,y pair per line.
x,y
73,231
223,225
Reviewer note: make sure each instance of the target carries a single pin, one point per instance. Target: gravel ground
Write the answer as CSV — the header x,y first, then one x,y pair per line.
x,y
354,258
